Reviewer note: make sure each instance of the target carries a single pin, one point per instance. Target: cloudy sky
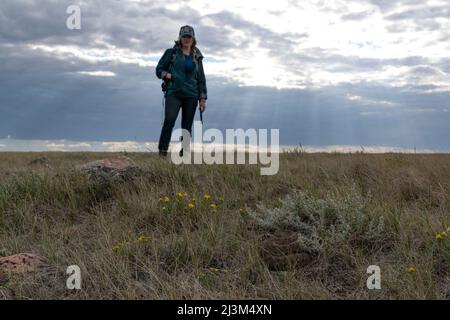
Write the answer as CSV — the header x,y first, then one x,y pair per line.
x,y
343,72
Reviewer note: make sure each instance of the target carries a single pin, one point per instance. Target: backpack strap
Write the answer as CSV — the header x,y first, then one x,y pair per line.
x,y
197,56
172,60
167,66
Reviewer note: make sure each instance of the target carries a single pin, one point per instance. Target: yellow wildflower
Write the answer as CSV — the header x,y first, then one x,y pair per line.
x,y
193,199
448,229
411,270
117,247
191,206
439,236
207,196
161,199
213,206
181,194
143,238
166,199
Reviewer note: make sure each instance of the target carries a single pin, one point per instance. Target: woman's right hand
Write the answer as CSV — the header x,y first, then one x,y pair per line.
x,y
168,76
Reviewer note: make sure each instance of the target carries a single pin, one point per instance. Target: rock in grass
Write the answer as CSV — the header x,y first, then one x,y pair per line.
x,y
19,263
111,170
40,161
25,265
121,163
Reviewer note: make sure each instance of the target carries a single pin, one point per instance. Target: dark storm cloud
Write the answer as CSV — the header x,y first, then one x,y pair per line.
x,y
332,62
71,106
326,116
45,97
114,22
141,27
218,37
64,104
124,27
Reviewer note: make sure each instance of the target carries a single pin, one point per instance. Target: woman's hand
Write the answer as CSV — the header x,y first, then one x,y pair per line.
x,y
202,105
168,76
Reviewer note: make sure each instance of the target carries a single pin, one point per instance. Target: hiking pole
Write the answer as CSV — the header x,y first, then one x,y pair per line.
x,y
163,105
201,116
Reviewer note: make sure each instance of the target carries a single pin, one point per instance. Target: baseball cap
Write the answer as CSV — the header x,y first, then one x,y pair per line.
x,y
187,31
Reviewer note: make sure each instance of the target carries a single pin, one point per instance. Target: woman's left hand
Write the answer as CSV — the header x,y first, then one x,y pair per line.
x,y
202,105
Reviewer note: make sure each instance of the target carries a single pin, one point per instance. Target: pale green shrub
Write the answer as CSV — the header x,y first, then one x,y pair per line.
x,y
325,223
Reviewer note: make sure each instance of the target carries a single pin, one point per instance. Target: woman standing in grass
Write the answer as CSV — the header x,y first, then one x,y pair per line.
x,y
181,68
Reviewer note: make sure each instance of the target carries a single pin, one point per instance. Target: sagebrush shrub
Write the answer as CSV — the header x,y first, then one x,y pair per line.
x,y
323,224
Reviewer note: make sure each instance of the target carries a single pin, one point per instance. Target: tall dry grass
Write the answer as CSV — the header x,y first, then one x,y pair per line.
x,y
309,232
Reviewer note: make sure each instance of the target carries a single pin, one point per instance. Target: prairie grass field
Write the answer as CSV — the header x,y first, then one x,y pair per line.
x,y
227,232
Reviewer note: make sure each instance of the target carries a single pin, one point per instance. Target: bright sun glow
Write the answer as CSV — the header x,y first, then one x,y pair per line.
x,y
314,29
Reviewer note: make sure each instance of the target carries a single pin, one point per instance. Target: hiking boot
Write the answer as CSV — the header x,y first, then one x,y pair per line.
x,y
162,153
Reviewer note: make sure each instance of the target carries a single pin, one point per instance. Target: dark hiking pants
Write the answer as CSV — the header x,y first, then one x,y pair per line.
x,y
173,104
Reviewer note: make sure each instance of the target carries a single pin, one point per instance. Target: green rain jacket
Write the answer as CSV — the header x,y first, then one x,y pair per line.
x,y
182,84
